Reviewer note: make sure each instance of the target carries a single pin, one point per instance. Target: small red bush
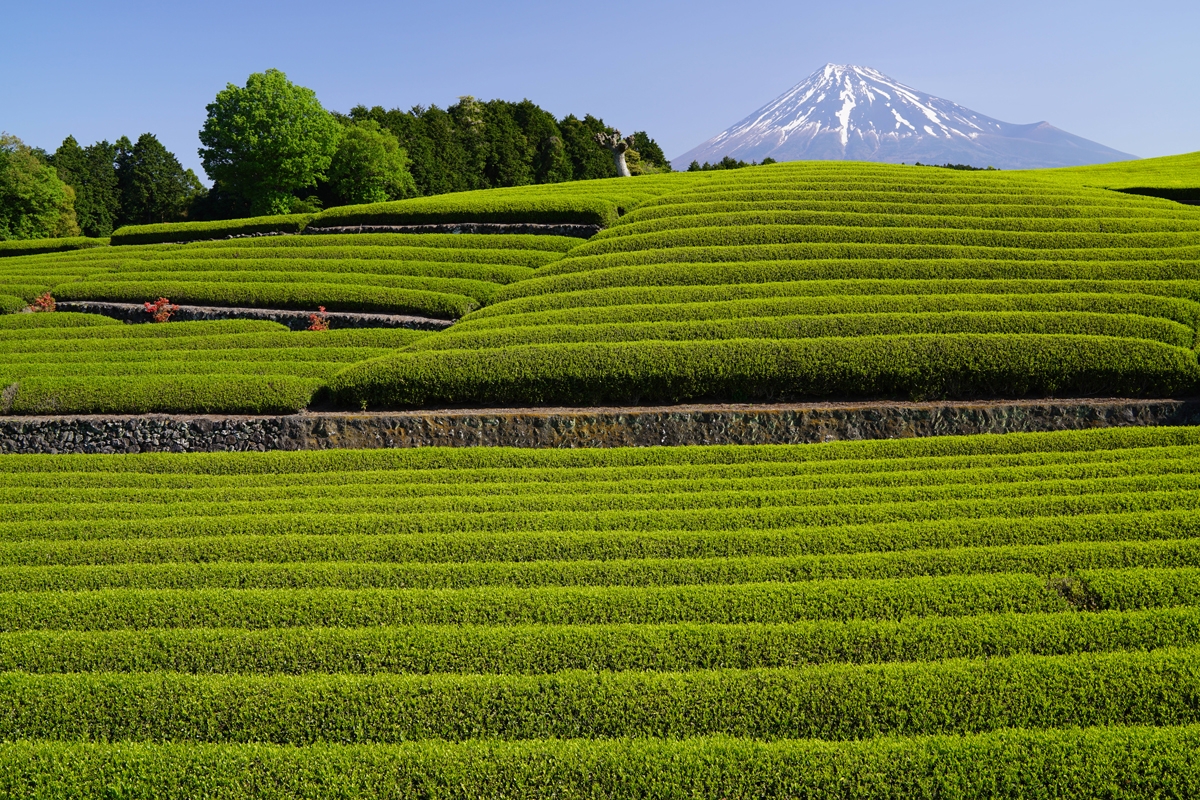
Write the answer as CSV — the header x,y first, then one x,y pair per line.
x,y
161,309
318,321
43,302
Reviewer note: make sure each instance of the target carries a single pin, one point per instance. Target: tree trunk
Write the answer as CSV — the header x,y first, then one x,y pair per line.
x,y
618,146
622,167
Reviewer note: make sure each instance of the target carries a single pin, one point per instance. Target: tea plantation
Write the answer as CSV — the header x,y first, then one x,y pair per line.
x,y
789,282
1012,616
975,616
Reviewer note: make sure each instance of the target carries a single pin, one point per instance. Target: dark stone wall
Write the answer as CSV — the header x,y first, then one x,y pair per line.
x,y
296,320
589,427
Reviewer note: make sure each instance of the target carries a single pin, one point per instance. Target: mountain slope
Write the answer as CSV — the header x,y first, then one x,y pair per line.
x,y
859,114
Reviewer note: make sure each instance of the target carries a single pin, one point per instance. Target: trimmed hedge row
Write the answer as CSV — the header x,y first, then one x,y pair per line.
x,y
1174,466
691,533
319,562
302,296
271,256
540,649
1105,763
189,231
117,609
455,241
672,303
952,365
734,273
825,506
21,247
475,289
230,394
507,207
1111,229
975,212
10,304
370,269
270,335
833,702
833,325
28,326
806,251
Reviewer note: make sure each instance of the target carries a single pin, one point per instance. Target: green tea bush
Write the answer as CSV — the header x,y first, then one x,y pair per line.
x,y
21,247
953,365
191,231
302,296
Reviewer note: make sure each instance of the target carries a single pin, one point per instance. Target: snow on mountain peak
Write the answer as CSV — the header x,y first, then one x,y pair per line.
x,y
845,111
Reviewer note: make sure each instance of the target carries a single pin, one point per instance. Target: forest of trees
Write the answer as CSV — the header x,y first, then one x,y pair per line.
x,y
271,148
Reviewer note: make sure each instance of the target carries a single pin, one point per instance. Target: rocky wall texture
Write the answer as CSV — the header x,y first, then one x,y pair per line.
x,y
563,229
587,427
296,320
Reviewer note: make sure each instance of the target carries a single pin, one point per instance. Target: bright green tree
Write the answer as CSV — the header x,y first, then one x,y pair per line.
x,y
267,140
34,202
154,186
370,166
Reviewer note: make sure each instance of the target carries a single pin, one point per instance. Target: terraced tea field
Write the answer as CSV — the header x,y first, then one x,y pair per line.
x,y
1005,616
795,281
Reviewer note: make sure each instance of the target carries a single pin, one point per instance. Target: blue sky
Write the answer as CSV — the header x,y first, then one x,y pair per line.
x,y
1124,74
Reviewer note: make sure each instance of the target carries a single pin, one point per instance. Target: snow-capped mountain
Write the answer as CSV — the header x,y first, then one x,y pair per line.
x,y
844,112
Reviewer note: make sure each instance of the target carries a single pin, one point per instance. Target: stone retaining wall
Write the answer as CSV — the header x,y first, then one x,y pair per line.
x,y
296,320
558,229
589,427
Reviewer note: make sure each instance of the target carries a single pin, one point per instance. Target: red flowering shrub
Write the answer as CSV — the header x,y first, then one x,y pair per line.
x,y
161,309
43,302
318,321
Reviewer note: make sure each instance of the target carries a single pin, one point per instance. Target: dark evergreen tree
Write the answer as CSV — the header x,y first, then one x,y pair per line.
x,y
154,186
649,151
91,172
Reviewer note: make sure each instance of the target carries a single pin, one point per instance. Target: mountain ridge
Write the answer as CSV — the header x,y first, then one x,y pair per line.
x,y
853,113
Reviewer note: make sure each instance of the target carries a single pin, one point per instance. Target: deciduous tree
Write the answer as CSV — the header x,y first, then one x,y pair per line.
x,y
34,202
266,140
369,166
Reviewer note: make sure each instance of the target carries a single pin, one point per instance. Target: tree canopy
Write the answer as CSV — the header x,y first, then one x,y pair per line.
x,y
34,202
369,166
265,141
154,186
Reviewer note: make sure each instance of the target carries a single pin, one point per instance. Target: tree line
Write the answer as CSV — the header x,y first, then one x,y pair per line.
x,y
271,148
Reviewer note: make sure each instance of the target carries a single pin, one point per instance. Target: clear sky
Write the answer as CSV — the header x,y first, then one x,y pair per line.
x,y
1125,74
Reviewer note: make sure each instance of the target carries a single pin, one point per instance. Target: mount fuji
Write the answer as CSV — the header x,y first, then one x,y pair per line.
x,y
844,112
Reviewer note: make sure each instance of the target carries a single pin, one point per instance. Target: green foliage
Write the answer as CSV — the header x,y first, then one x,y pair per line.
x,y
369,166
260,294
494,144
562,209
91,172
264,141
1089,764
193,231
1128,326
135,394
154,187
837,702
951,365
21,247
34,202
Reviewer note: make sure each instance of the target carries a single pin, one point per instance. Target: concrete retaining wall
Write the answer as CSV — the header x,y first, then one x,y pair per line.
x,y
569,427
